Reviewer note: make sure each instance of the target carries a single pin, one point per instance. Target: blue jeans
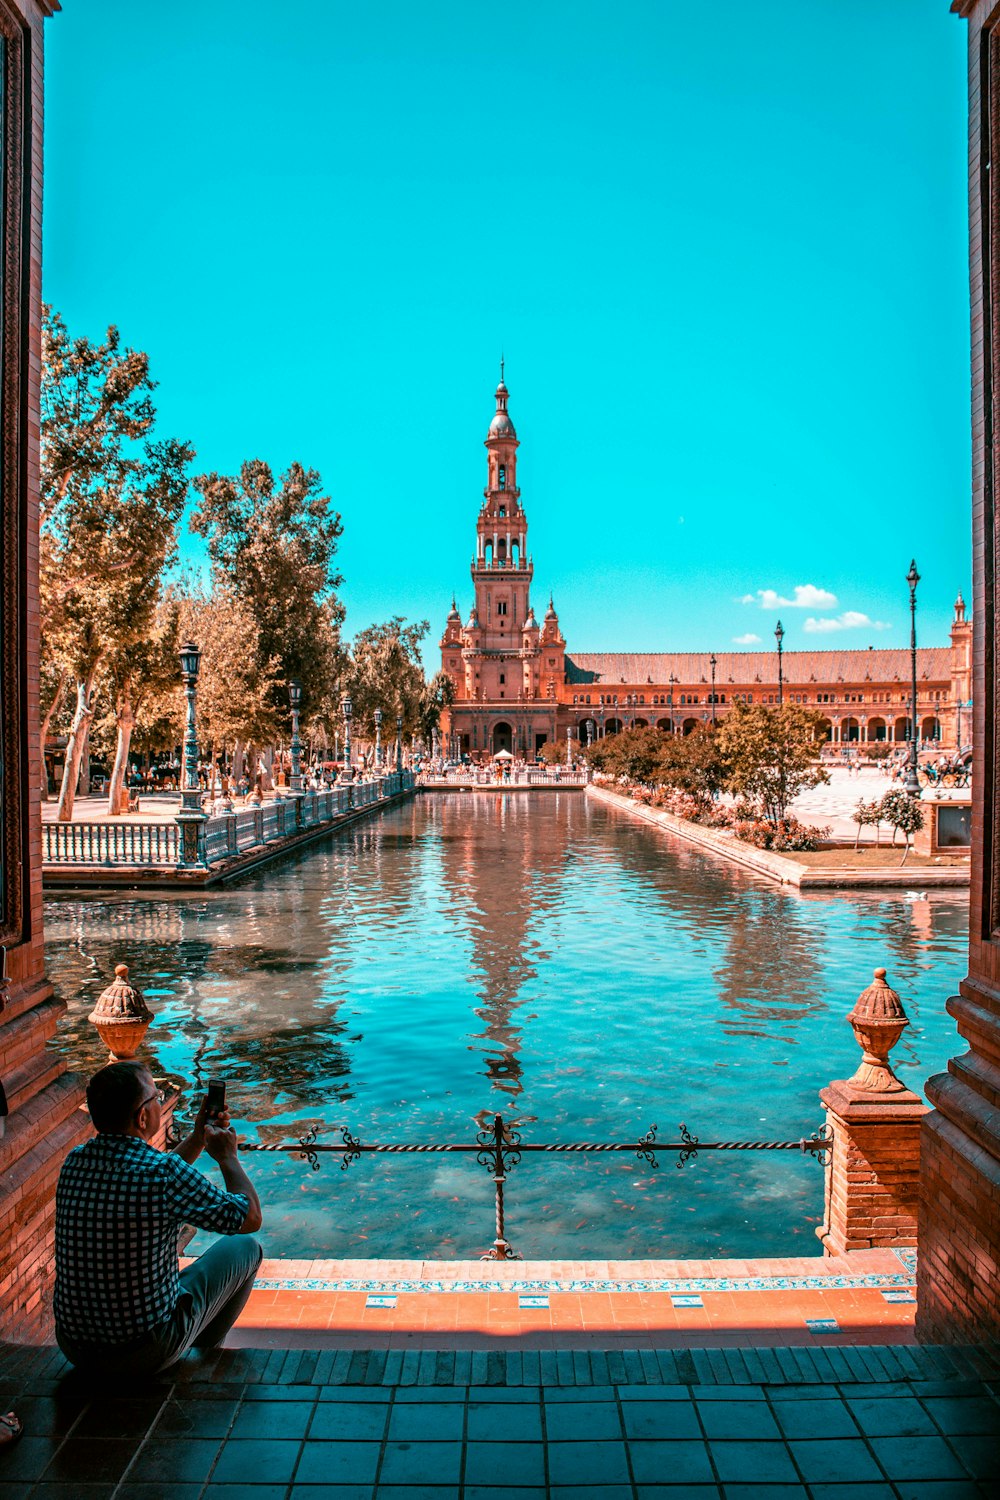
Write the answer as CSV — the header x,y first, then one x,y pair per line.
x,y
214,1290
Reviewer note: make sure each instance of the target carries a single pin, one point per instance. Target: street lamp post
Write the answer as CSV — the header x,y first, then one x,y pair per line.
x,y
600,715
399,744
590,733
191,816
779,636
713,664
345,708
378,737
569,746
670,698
911,782
295,702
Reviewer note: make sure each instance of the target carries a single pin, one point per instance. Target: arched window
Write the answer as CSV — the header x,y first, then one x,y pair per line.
x,y
503,476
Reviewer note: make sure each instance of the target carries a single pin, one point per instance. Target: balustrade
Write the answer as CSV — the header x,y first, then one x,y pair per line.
x,y
225,834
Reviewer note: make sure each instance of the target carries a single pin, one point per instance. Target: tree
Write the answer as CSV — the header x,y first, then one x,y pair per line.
x,y
904,815
236,692
385,671
633,754
274,546
692,763
770,754
111,497
436,695
867,815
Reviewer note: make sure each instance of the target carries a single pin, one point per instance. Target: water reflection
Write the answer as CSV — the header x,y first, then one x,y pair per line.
x,y
547,957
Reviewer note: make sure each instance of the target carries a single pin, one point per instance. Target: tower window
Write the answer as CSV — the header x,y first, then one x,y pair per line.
x,y
503,478
503,677
501,606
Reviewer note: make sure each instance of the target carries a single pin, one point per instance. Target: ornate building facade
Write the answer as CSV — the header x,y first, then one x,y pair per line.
x,y
517,686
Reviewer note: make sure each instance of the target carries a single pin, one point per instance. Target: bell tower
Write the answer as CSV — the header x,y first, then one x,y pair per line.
x,y
501,568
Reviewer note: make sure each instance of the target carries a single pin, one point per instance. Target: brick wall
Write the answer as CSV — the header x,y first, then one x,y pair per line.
x,y
959,1228
45,1120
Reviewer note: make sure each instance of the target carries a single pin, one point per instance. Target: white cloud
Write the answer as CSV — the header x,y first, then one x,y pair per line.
x,y
851,619
804,596
746,640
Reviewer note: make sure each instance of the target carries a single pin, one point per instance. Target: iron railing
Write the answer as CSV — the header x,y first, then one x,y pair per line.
x,y
500,1147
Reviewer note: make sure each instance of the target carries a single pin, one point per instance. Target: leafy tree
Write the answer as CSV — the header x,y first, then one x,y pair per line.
x,y
634,753
436,695
111,497
273,545
692,763
771,754
904,815
385,671
236,691
867,815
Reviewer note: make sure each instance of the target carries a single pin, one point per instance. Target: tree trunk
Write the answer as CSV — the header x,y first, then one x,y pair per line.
x,y
46,722
74,748
118,789
83,785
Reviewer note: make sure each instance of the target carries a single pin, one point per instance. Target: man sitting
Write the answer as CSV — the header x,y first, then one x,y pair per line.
x,y
122,1307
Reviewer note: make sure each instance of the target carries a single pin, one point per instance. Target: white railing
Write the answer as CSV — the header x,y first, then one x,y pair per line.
x,y
220,836
110,843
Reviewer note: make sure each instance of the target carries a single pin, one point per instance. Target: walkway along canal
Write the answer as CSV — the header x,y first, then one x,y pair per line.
x,y
222,845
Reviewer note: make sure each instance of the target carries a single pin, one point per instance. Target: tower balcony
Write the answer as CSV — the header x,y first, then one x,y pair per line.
x,y
503,565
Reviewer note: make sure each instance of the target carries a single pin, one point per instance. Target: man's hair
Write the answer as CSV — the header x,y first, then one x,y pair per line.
x,y
114,1095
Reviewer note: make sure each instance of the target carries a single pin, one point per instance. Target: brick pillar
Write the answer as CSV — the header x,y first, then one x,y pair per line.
x,y
873,1172
44,1119
873,1175
958,1272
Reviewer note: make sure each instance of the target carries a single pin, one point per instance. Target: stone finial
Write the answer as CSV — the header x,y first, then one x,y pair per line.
x,y
121,1016
878,1019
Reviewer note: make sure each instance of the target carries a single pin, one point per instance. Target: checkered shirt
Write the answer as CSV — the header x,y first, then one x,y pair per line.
x,y
119,1206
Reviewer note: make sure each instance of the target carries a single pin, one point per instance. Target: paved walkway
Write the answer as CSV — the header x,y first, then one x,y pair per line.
x,y
860,1298
869,1423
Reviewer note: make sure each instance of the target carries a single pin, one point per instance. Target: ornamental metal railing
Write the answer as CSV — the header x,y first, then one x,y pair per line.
x,y
499,1148
221,835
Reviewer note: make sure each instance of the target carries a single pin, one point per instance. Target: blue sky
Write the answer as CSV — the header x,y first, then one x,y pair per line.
x,y
723,248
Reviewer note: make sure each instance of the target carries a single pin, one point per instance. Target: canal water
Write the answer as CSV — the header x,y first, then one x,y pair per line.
x,y
541,956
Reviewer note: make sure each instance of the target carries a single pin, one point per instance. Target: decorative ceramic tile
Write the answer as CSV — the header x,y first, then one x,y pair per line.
x,y
380,1301
908,1258
687,1301
532,1302
688,1286
822,1325
899,1296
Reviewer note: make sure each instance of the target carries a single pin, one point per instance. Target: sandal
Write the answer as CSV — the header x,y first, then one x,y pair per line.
x,y
11,1428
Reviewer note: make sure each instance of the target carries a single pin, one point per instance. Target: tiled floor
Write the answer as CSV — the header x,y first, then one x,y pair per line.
x,y
864,1297
871,1423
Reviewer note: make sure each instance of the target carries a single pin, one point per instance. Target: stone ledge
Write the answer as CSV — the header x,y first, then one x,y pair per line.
x,y
777,866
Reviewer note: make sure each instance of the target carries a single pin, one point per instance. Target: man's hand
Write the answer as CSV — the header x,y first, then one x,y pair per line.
x,y
220,1140
192,1146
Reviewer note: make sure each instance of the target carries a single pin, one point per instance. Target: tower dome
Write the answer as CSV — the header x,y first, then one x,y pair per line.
x,y
501,425
454,618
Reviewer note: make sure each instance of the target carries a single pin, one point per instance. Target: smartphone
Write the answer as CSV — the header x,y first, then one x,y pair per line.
x,y
216,1097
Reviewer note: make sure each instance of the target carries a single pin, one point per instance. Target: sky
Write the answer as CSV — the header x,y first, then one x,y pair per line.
x,y
723,249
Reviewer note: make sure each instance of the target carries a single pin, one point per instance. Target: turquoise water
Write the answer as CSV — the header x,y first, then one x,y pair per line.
x,y
545,957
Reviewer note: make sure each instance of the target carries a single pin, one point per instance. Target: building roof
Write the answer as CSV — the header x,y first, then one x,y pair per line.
x,y
640,668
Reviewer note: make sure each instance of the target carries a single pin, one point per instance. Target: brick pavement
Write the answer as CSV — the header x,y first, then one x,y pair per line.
x,y
859,1423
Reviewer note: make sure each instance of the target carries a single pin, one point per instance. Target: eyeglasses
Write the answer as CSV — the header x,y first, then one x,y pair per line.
x,y
158,1095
